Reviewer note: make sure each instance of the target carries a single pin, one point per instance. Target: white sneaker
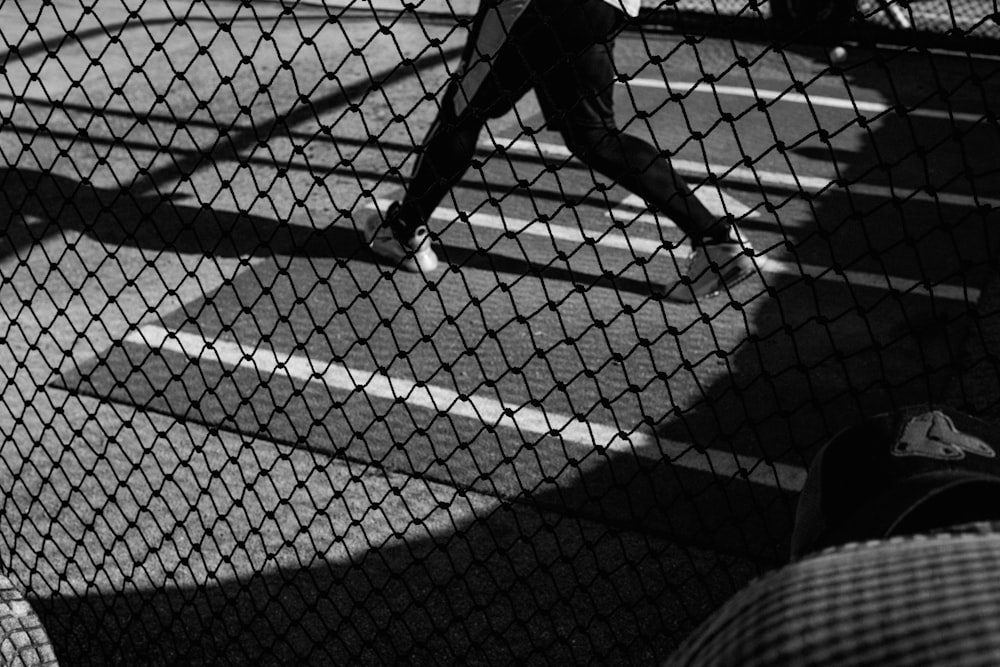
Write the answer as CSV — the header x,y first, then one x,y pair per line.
x,y
712,268
414,255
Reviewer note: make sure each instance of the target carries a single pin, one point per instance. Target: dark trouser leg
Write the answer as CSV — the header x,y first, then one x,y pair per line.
x,y
494,76
577,97
638,167
446,155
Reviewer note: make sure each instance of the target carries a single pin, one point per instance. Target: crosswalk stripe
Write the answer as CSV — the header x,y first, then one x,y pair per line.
x,y
685,87
758,177
716,200
523,419
774,265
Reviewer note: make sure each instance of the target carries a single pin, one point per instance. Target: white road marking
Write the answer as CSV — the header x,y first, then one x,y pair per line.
x,y
521,419
759,177
617,240
716,200
684,87
556,232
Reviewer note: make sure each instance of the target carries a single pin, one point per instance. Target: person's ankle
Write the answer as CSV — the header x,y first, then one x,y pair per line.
x,y
720,232
402,228
716,235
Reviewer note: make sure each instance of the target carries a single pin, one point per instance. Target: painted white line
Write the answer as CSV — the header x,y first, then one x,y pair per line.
x,y
532,148
684,87
554,233
716,200
758,177
878,281
522,419
619,241
628,216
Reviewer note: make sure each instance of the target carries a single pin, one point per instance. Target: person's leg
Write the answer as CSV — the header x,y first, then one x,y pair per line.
x,y
577,97
638,167
444,157
493,78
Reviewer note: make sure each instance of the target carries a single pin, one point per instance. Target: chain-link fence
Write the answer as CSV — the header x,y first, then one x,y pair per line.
x,y
891,22
234,434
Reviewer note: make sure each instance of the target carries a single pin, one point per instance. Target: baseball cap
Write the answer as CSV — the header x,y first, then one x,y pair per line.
x,y
909,470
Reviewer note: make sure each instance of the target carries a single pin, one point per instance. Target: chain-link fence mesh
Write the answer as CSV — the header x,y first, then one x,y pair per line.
x,y
233,434
889,21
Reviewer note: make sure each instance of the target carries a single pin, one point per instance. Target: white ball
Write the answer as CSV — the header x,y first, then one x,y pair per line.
x,y
838,54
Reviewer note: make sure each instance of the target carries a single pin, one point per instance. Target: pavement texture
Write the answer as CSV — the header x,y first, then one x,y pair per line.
x,y
232,435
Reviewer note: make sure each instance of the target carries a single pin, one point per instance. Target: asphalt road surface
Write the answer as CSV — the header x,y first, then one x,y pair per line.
x,y
215,178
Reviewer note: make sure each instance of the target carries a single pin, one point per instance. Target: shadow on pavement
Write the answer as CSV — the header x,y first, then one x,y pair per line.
x,y
820,355
554,576
514,585
38,204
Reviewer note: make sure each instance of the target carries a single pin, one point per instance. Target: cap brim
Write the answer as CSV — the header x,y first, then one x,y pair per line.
x,y
928,501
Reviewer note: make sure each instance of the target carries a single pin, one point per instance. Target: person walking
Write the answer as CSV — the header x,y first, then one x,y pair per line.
x,y
563,49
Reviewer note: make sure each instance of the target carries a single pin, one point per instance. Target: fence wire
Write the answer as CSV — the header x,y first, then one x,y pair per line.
x,y
232,434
